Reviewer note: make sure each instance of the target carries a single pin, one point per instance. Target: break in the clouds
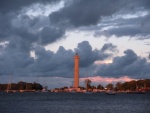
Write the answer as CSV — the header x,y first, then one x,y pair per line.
x,y
23,32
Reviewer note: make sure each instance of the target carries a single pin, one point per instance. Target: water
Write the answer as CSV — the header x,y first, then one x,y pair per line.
x,y
73,103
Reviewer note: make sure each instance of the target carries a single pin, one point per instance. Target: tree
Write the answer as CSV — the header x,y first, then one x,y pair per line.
x,y
82,88
118,86
110,86
93,87
100,87
37,86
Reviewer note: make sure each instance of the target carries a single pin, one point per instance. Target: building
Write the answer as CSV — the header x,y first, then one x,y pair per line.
x,y
76,71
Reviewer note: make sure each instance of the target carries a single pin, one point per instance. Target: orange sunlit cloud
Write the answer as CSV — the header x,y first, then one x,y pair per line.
x,y
108,61
106,80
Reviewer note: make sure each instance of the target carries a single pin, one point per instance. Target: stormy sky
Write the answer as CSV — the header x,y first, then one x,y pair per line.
x,y
38,38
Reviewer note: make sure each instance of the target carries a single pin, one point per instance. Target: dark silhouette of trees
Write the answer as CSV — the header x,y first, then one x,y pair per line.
x,y
100,87
22,86
135,85
110,86
126,86
118,86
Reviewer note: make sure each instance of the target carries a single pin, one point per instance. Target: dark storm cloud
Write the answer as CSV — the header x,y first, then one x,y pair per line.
x,y
139,3
5,26
76,13
15,59
27,29
49,34
85,12
132,27
89,56
48,63
15,21
61,63
21,32
129,64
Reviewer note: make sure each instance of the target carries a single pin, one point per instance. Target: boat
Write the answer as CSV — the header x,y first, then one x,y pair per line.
x,y
111,92
45,89
9,89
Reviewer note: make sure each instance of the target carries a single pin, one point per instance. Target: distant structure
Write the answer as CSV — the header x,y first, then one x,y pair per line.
x,y
76,70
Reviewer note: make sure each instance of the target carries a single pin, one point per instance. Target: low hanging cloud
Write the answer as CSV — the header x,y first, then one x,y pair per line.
x,y
15,60
61,63
128,65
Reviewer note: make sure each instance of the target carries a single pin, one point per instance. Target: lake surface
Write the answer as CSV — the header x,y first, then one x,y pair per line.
x,y
74,103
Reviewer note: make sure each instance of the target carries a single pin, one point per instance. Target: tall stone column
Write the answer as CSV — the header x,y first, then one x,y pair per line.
x,y
76,70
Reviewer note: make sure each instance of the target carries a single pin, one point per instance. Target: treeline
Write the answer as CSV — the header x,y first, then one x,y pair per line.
x,y
134,85
21,86
126,86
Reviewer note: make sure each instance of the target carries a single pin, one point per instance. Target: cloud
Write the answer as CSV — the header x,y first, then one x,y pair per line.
x,y
85,12
8,6
15,59
106,80
61,63
129,64
49,35
21,33
138,26
109,46
15,22
48,63
89,56
76,13
5,26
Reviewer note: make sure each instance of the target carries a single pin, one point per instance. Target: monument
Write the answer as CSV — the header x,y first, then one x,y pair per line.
x,y
76,71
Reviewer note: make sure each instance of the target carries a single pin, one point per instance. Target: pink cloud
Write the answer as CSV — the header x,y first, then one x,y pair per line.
x,y
105,80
